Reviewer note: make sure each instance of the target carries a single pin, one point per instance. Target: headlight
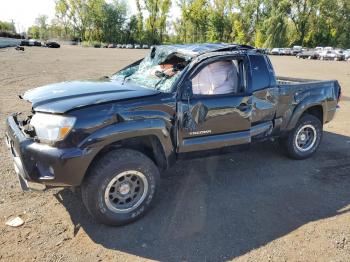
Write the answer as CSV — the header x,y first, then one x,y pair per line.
x,y
52,127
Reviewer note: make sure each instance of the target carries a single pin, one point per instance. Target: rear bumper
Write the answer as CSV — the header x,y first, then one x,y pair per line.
x,y
40,163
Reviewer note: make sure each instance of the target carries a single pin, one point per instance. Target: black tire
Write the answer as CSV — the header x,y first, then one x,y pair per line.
x,y
307,124
100,177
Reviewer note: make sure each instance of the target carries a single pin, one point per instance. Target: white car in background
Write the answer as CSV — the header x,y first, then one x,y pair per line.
x,y
347,54
332,55
276,51
286,51
319,49
34,42
297,49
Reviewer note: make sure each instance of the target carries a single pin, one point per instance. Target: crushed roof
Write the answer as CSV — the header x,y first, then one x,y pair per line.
x,y
198,49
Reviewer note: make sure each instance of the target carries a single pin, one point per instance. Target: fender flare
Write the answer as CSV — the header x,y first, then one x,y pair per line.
x,y
303,106
130,129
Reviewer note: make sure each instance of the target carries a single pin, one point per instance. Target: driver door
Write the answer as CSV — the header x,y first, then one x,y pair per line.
x,y
214,121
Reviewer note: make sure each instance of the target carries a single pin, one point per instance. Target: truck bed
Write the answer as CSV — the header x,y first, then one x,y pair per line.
x,y
300,84
282,80
294,91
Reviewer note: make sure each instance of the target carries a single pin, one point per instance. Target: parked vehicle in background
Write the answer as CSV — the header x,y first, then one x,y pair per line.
x,y
308,54
119,46
111,46
276,51
340,54
145,46
297,49
332,55
265,51
347,54
137,46
286,51
52,44
34,42
24,42
319,49
123,45
328,48
129,46
114,137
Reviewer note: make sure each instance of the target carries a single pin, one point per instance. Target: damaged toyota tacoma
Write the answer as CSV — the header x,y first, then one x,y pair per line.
x,y
113,137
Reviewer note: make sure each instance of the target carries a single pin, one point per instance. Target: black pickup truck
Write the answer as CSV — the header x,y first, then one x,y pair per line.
x,y
113,137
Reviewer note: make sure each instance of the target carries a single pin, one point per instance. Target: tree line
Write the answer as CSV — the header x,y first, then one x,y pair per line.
x,y
265,23
8,29
262,23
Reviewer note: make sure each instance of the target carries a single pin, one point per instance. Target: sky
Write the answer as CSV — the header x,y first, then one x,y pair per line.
x,y
24,12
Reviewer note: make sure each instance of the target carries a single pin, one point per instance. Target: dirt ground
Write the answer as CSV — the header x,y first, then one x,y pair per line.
x,y
254,206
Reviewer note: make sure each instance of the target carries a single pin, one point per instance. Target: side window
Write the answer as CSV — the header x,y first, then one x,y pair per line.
x,y
217,78
260,72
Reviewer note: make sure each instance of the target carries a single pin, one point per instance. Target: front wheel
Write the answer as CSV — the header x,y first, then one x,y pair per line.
x,y
304,139
120,187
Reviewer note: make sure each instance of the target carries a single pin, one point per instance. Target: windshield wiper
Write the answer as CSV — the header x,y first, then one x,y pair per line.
x,y
125,77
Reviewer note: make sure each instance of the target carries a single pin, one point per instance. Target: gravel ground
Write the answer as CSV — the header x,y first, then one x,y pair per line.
x,y
254,206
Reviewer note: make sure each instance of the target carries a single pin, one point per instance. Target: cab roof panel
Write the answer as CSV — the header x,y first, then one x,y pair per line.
x,y
193,50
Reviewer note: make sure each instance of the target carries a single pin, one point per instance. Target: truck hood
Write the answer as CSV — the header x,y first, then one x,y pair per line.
x,y
65,96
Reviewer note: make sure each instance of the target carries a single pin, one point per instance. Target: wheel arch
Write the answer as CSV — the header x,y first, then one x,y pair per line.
x,y
148,145
314,108
149,137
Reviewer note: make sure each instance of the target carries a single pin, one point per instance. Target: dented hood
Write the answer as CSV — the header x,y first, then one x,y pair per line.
x,y
66,96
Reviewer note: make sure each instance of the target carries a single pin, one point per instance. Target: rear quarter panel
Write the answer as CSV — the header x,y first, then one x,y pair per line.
x,y
296,98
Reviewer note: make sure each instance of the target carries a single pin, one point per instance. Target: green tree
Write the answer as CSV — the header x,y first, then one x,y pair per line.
x,y
79,13
95,19
131,30
34,32
115,16
7,27
219,26
152,7
198,15
140,29
63,15
162,20
277,24
41,23
300,12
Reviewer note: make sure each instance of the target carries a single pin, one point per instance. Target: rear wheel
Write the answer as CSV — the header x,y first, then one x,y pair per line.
x,y
304,139
120,187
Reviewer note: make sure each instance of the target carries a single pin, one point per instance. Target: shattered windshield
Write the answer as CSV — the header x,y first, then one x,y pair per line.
x,y
159,70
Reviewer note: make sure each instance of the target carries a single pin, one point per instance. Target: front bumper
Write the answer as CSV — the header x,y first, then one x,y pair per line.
x,y
40,163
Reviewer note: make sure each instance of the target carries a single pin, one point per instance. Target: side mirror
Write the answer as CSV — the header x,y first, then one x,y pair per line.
x,y
187,90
